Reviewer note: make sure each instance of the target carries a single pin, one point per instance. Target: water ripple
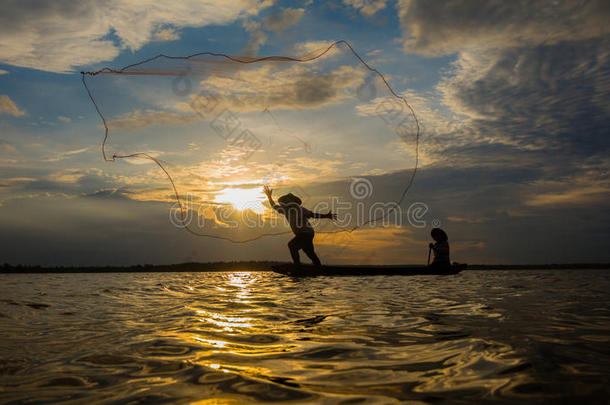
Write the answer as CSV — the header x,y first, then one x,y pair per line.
x,y
260,337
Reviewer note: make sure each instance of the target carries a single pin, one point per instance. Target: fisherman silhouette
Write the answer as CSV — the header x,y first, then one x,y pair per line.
x,y
298,218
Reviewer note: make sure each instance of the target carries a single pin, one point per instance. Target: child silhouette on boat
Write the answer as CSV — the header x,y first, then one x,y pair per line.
x,y
298,218
440,249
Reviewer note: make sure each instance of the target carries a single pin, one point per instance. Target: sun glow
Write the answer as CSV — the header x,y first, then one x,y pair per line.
x,y
242,199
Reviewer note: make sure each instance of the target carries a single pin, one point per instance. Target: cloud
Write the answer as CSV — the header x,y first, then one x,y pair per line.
x,y
257,37
142,119
367,7
58,156
49,180
60,35
69,176
529,84
304,49
535,97
11,180
64,119
166,34
278,22
474,220
4,72
587,184
449,27
391,245
298,87
7,106
575,196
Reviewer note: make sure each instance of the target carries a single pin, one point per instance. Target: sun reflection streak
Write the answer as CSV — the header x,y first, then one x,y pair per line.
x,y
241,281
232,333
215,343
227,323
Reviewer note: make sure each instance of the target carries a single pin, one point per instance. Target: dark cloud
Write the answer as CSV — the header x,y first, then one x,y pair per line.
x,y
538,97
485,210
442,27
279,21
529,90
527,75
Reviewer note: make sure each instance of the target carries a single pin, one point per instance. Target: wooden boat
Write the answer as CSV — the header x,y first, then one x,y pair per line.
x,y
305,270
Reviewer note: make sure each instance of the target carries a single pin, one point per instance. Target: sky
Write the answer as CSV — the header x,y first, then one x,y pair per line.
x,y
511,98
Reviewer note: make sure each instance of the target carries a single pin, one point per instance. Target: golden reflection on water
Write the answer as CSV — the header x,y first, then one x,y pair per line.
x,y
217,401
238,326
241,281
227,323
335,359
257,337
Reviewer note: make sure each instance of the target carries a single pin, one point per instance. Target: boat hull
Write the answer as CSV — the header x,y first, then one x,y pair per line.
x,y
311,271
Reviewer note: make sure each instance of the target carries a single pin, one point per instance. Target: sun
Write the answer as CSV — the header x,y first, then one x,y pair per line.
x,y
242,198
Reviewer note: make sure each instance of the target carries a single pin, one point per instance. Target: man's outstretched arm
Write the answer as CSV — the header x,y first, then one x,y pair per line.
x,y
330,215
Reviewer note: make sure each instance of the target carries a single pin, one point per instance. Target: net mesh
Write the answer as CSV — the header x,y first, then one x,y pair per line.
x,y
325,126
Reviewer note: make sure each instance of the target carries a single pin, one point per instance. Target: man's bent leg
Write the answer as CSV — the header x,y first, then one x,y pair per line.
x,y
294,247
309,251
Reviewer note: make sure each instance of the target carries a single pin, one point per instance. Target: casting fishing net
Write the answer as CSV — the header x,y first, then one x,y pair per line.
x,y
205,132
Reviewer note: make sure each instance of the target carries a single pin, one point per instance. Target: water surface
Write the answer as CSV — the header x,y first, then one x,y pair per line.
x,y
240,337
